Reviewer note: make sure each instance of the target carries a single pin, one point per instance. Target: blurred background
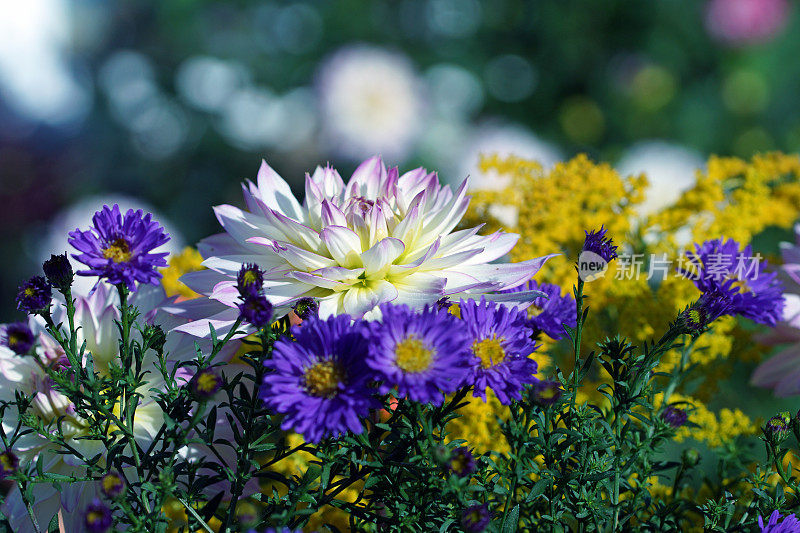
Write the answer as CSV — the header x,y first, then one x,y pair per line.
x,y
169,104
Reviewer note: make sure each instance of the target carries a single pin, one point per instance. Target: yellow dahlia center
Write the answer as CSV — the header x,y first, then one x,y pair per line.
x,y
118,251
412,355
323,379
490,351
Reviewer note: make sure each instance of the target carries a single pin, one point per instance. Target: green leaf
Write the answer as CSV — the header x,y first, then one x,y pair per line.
x,y
512,521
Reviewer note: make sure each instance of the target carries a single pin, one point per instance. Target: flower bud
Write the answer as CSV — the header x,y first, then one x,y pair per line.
x,y
58,271
777,427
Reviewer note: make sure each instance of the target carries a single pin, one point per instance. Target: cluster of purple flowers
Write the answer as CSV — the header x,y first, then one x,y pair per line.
x,y
732,284
254,309
323,380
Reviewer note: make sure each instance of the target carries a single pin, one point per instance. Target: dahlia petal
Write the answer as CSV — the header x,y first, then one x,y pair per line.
x,y
358,301
494,247
332,215
381,255
300,258
774,370
343,244
318,281
510,275
276,193
220,244
367,178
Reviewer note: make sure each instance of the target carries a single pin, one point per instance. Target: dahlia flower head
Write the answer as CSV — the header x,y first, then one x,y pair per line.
x,y
383,237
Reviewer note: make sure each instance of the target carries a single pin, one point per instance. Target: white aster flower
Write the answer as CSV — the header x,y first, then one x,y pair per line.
x,y
370,100
95,316
383,237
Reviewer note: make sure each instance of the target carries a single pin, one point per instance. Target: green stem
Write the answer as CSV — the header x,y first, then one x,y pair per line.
x,y
577,341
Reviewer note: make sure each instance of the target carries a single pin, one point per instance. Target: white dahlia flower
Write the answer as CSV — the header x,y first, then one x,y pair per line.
x,y
383,237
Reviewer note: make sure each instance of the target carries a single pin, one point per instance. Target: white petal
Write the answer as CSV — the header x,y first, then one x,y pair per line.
x,y
302,259
381,255
343,244
359,300
276,193
507,274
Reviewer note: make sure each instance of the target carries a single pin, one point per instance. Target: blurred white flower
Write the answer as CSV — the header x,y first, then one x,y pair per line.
x,y
670,169
79,215
208,82
371,102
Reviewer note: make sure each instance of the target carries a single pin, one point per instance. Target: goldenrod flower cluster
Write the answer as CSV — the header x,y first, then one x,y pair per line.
x,y
733,198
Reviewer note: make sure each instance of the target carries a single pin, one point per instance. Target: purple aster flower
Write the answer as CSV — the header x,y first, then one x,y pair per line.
x,y
475,518
283,529
18,337
461,462
119,249
710,306
501,344
547,392
549,314
320,381
790,523
597,243
112,485
58,271
206,384
719,266
34,295
305,308
777,427
97,517
9,463
425,355
250,280
674,416
256,310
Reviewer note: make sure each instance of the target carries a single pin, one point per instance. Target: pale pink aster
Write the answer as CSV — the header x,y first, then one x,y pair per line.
x,y
383,237
94,315
781,372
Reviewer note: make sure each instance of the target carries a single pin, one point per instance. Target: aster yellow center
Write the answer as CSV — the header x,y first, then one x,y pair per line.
x,y
94,517
29,291
13,340
249,277
118,251
207,382
534,310
412,355
490,351
459,463
323,379
111,483
694,316
5,462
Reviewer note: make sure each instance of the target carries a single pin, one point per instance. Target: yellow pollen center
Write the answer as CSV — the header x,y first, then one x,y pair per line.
x,y
459,463
94,517
323,379
694,316
29,291
412,355
534,310
207,382
118,251
490,351
249,277
111,482
5,462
